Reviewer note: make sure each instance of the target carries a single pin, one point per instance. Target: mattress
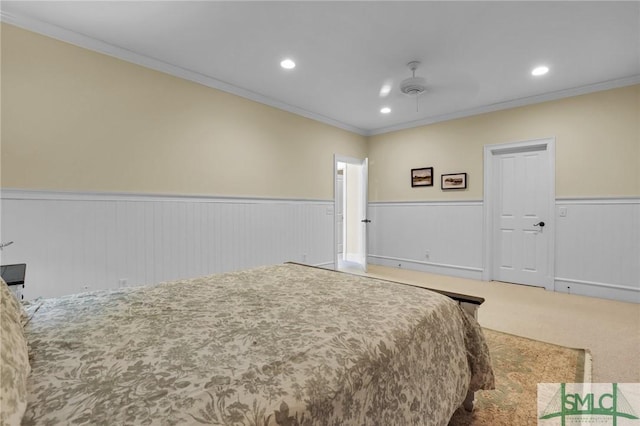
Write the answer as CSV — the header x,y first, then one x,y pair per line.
x,y
276,345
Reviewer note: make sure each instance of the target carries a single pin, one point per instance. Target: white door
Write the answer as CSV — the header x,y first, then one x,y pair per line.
x,y
355,179
522,206
363,169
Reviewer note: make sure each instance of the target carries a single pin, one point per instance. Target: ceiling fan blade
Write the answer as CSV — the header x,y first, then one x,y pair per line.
x,y
456,82
386,88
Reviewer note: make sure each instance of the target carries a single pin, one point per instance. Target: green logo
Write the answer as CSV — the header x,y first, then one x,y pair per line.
x,y
591,402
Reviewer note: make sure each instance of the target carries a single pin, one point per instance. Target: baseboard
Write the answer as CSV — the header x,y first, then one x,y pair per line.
x,y
562,285
595,289
430,267
329,265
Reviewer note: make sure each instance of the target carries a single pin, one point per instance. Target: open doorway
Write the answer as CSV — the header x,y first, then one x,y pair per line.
x,y
350,213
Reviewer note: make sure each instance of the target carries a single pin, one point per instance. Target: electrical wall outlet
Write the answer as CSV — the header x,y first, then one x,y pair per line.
x,y
427,254
122,282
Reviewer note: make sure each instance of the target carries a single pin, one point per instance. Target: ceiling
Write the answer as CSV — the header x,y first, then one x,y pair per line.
x,y
475,56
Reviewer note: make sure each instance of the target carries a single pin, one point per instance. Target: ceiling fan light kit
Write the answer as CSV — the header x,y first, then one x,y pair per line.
x,y
413,86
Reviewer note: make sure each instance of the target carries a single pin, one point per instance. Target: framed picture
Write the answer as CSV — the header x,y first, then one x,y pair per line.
x,y
454,181
422,177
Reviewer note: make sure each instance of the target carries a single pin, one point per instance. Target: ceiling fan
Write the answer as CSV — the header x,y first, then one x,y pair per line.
x,y
412,86
453,84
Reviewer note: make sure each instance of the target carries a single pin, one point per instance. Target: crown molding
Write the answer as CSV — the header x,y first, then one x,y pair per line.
x,y
530,100
99,46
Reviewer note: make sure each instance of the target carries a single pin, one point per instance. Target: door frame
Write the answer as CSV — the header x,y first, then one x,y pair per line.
x,y
490,152
351,160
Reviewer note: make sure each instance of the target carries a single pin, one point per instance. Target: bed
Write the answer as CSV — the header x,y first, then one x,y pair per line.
x,y
277,345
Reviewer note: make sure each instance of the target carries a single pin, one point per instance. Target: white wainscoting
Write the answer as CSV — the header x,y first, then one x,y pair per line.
x,y
597,242
401,234
598,248
73,242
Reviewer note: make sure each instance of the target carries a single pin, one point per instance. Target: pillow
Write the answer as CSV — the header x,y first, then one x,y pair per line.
x,y
12,304
14,359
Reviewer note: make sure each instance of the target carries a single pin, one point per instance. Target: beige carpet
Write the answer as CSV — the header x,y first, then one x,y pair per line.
x,y
519,365
609,329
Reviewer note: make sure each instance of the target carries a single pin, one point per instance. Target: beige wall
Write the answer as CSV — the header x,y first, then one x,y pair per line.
x,y
76,120
597,148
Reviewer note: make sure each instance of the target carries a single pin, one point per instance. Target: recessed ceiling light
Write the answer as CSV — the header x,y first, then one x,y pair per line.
x,y
288,64
385,110
541,70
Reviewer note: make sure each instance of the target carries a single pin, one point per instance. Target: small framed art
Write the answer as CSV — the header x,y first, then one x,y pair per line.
x,y
453,181
422,177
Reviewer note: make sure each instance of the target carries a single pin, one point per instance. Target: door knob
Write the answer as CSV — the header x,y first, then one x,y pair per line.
x,y
540,224
365,221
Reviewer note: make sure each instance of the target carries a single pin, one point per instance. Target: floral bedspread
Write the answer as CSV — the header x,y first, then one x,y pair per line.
x,y
279,345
